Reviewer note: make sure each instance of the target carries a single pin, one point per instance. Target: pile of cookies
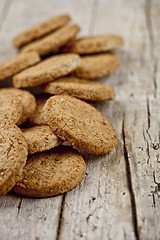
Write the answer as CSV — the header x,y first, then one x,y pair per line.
x,y
34,160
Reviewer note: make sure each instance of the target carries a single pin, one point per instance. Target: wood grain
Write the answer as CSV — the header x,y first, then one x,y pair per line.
x,y
102,209
4,8
142,152
23,218
120,195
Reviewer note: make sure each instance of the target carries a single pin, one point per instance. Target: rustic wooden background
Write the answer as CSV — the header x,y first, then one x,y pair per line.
x,y
120,195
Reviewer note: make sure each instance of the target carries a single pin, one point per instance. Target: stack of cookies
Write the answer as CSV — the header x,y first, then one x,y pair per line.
x,y
34,160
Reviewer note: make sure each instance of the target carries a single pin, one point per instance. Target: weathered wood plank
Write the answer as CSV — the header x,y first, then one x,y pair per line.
x,y
23,218
134,82
126,18
151,10
141,130
153,23
157,78
100,207
142,135
134,77
103,209
4,7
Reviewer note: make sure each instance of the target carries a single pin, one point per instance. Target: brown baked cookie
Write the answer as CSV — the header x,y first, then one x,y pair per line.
x,y
53,40
40,30
96,66
40,138
37,119
17,64
11,108
80,88
51,173
13,149
81,124
28,102
47,70
94,44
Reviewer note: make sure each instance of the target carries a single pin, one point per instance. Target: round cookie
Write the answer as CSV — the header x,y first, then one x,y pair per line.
x,y
37,119
10,108
40,138
94,44
17,64
51,173
81,124
47,70
13,157
40,30
28,102
53,40
80,88
96,66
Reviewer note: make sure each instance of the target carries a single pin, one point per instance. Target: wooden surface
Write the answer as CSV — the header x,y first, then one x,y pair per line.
x,y
120,195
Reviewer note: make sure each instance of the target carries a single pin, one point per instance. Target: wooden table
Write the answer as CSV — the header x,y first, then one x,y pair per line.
x,y
120,195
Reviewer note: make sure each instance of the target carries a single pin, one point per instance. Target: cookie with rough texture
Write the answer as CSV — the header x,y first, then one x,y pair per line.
x,y
80,88
17,64
40,138
53,41
47,70
11,108
81,124
94,44
14,151
28,102
40,30
96,66
51,173
37,119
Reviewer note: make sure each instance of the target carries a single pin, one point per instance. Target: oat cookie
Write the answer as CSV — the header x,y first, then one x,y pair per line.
x,y
40,138
14,151
53,41
94,44
40,30
36,119
80,88
17,64
28,102
11,108
81,124
51,173
96,66
47,70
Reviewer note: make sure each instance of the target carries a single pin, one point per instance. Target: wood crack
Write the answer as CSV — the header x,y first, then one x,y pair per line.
x,y
149,119
156,191
60,217
151,40
147,149
130,185
147,131
149,116
19,206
